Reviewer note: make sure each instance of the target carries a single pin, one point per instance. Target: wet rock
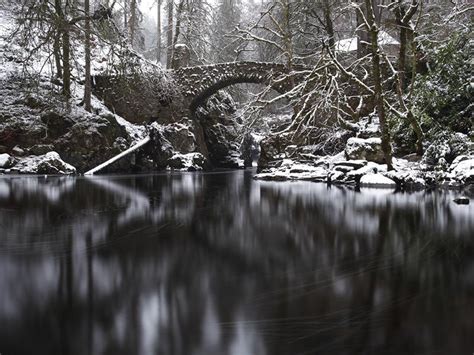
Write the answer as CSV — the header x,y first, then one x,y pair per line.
x,y
290,170
250,149
33,102
412,157
376,180
219,130
343,168
355,164
57,124
272,149
336,176
49,163
180,137
160,149
41,149
365,149
189,162
461,200
17,151
462,170
90,143
6,161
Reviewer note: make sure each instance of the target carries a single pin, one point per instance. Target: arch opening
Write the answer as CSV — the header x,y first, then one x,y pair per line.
x,y
242,121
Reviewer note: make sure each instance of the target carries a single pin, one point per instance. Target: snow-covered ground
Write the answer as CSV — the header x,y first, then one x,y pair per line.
x,y
16,67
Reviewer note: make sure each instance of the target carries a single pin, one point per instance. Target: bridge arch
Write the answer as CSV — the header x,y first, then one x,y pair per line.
x,y
201,82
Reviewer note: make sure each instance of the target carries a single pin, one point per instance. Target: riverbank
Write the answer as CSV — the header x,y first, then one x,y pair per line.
x,y
406,175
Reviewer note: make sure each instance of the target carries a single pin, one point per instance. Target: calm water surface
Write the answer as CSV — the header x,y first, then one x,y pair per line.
x,y
204,264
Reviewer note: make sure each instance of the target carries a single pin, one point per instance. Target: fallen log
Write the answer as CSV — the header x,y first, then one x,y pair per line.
x,y
133,148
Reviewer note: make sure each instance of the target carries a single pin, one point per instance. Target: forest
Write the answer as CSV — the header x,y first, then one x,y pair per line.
x,y
383,82
236,177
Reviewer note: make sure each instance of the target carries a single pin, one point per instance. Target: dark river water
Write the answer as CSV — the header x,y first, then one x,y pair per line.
x,y
220,264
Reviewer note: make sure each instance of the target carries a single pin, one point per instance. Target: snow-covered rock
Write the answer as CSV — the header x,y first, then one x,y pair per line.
x,y
364,149
462,170
250,149
377,180
187,162
18,151
291,170
180,137
356,164
6,161
49,163
370,168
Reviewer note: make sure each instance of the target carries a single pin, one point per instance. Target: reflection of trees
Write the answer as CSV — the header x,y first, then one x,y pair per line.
x,y
215,264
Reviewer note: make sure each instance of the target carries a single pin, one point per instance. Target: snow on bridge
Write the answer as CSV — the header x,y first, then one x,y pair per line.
x,y
200,82
141,101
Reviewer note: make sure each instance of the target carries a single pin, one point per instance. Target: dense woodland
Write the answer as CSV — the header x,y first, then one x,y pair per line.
x,y
405,63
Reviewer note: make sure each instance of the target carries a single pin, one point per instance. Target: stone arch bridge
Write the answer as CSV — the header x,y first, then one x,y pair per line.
x,y
194,86
198,83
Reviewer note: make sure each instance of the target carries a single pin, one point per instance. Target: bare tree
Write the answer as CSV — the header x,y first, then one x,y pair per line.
x,y
87,47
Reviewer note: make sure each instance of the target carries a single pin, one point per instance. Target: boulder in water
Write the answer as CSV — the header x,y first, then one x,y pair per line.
x,y
49,163
6,161
461,200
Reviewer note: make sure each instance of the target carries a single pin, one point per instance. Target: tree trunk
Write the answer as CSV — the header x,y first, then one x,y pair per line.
x,y
158,32
377,77
169,35
66,64
362,34
125,17
377,10
133,21
66,56
57,38
87,45
177,31
402,56
329,24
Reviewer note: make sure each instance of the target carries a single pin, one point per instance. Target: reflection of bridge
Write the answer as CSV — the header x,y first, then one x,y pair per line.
x,y
194,85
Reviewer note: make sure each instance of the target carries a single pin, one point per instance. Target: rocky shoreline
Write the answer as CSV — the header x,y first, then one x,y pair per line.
x,y
361,164
406,175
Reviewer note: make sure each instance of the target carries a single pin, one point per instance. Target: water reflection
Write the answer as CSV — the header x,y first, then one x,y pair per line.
x,y
221,264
